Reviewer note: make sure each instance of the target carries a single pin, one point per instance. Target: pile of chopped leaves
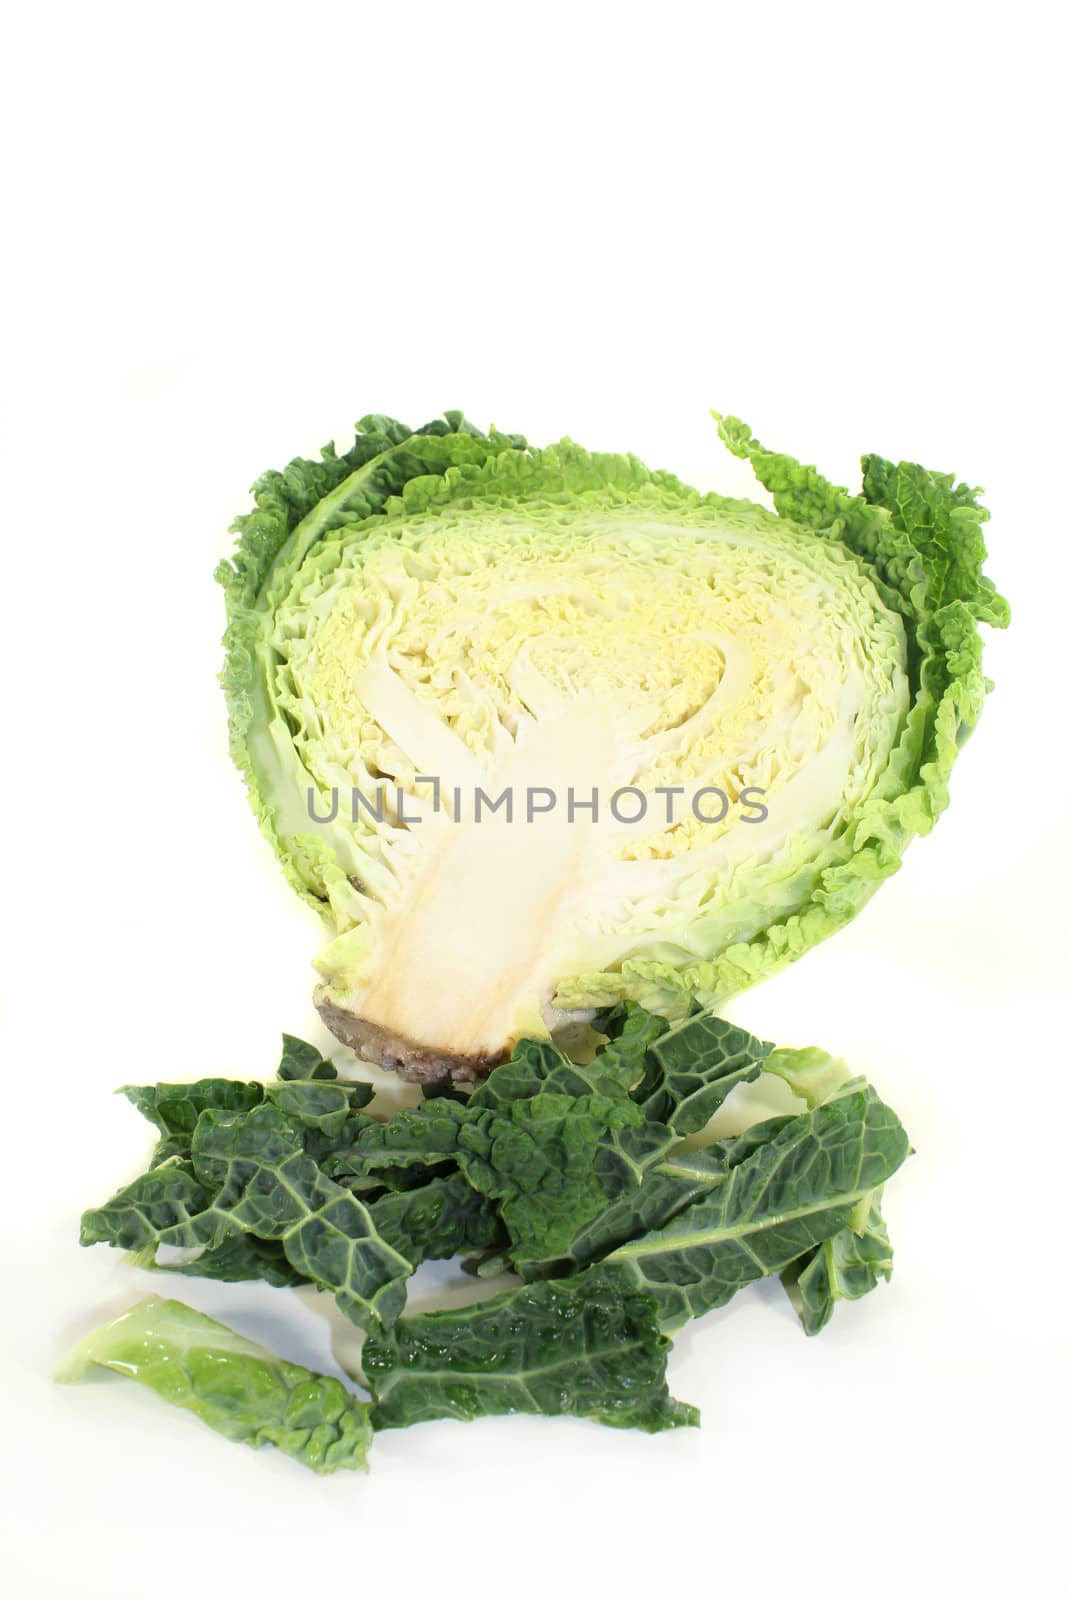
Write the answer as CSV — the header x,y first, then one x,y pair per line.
x,y
582,1181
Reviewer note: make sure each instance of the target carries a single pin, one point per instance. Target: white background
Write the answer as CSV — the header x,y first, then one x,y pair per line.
x,y
233,229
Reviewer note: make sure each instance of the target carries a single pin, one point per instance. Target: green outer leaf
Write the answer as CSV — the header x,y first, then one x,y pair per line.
x,y
631,1032
238,1388
174,1107
302,1061
611,1228
852,1261
846,1266
173,1147
168,1197
943,521
324,1147
917,534
423,1136
793,1191
286,499
586,1347
249,1174
268,1186
556,1161
323,1106
240,1258
668,1184
814,1075
443,1218
338,1247
552,1161
690,1071
537,1067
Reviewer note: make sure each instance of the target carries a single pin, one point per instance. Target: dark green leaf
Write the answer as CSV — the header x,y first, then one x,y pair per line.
x,y
174,1107
692,1069
337,1245
846,1266
250,1175
555,1162
322,1106
668,1184
631,1032
238,1259
268,1186
302,1061
537,1067
792,1192
443,1218
422,1137
174,1146
167,1197
588,1346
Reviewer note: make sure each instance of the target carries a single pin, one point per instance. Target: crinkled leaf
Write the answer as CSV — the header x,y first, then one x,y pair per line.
x,y
168,1197
943,520
631,1032
792,1192
250,1175
691,1069
551,1161
268,1186
238,1388
588,1346
175,1107
537,1067
422,1137
323,1106
301,1060
846,1266
240,1258
668,1184
556,1161
443,1218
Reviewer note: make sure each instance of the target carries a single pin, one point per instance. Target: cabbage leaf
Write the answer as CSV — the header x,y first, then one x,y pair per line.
x,y
238,1388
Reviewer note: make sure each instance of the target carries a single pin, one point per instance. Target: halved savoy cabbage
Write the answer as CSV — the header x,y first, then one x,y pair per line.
x,y
764,708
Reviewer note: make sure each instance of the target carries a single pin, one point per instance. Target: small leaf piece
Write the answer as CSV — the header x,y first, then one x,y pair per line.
x,y
238,1388
588,1346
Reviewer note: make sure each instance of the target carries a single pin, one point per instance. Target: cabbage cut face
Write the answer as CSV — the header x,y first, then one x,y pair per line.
x,y
541,731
